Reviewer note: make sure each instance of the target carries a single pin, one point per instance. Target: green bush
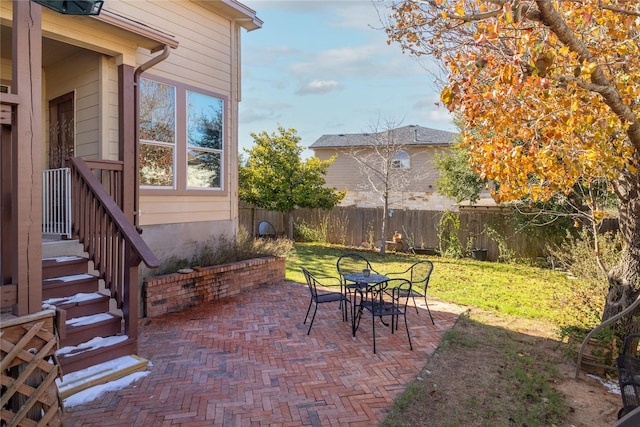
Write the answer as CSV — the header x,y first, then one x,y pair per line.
x,y
223,250
578,257
303,232
448,229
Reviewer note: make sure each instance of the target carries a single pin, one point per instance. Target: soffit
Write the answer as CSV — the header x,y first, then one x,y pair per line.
x,y
243,15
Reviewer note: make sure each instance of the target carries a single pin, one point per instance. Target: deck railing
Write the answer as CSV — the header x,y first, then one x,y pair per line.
x,y
111,241
56,202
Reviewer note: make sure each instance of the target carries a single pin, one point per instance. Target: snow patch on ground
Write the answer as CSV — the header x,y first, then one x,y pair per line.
x,y
612,386
95,392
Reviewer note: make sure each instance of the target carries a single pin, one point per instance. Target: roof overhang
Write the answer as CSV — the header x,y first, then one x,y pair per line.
x,y
149,38
243,15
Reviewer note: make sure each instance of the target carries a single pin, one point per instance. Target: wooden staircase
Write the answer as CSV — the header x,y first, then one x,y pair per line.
x,y
90,330
97,309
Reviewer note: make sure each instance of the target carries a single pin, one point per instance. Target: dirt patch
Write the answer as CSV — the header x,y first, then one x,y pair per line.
x,y
495,372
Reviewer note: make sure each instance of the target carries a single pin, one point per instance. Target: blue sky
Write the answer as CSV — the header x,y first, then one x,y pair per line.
x,y
324,67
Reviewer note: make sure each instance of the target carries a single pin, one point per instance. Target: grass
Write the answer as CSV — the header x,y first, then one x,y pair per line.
x,y
516,290
482,371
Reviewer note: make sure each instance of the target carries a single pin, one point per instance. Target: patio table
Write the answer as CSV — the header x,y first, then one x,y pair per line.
x,y
363,284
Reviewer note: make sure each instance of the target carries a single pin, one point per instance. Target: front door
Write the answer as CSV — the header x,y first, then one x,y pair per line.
x,y
61,134
55,185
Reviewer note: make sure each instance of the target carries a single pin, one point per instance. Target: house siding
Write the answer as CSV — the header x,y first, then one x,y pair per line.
x,y
78,74
419,194
207,57
109,109
203,60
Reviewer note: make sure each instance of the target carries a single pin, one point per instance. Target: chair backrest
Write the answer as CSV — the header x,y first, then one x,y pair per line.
x,y
398,290
352,263
420,273
311,282
266,229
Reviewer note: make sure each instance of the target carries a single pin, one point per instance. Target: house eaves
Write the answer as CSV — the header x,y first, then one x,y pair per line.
x,y
410,135
243,15
148,37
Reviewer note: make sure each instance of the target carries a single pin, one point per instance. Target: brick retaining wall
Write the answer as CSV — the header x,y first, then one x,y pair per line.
x,y
176,291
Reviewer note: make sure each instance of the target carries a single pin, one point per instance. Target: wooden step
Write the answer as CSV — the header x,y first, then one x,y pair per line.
x,y
83,304
95,351
66,286
82,329
101,373
64,266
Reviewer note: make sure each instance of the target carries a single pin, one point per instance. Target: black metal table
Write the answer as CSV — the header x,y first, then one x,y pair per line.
x,y
362,283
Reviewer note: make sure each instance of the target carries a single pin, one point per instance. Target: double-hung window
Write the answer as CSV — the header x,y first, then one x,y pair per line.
x,y
182,137
157,134
204,140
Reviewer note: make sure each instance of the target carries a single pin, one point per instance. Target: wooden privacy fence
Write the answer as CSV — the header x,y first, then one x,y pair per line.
x,y
359,226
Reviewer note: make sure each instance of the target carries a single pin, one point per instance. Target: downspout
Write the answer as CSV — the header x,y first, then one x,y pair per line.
x,y
136,118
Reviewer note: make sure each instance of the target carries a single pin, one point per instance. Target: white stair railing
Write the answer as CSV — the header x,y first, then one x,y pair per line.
x,y
56,202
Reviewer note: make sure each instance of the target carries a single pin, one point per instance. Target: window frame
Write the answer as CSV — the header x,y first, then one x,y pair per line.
x,y
181,187
401,160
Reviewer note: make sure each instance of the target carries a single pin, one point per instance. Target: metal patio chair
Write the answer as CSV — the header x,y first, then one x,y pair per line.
x,y
628,366
418,274
386,300
322,296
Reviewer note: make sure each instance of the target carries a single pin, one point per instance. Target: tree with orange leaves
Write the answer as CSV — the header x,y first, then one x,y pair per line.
x,y
549,95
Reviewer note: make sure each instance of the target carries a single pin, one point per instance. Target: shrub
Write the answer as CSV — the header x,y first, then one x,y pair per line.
x,y
448,229
223,250
591,285
303,232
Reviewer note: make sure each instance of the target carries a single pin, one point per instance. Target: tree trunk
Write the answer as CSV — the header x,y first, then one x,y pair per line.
x,y
385,210
288,219
624,278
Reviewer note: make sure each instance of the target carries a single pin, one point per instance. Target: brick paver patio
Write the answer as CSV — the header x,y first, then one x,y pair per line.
x,y
247,361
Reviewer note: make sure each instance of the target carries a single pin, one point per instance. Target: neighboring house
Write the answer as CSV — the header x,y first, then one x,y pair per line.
x,y
69,92
413,152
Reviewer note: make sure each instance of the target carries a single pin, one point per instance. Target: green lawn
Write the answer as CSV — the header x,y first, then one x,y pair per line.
x,y
515,290
499,295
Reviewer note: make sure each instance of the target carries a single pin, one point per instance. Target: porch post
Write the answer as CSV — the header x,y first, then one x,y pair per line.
x,y
127,141
26,185
6,227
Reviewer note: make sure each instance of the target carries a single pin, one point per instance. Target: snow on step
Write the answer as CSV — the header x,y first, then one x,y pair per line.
x,y
70,278
63,258
88,320
93,344
111,372
80,297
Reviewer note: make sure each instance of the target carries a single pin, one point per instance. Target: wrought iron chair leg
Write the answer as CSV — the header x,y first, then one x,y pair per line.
x,y
428,310
406,325
373,322
312,318
307,315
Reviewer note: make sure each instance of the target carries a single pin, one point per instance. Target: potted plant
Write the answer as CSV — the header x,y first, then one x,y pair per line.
x,y
479,254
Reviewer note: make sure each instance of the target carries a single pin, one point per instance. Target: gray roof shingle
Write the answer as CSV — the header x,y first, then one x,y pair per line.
x,y
406,135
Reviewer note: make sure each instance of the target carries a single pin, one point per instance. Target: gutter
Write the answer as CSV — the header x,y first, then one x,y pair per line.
x,y
136,119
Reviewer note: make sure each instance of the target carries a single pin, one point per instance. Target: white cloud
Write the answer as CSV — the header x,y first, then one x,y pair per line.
x,y
319,87
440,115
307,5
373,60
